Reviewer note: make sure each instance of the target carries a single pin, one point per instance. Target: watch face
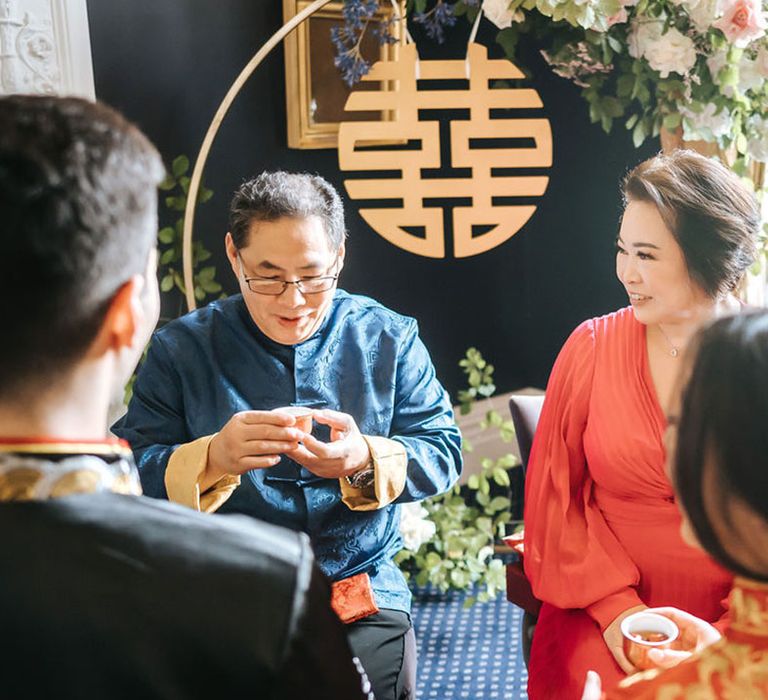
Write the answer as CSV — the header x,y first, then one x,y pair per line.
x,y
362,479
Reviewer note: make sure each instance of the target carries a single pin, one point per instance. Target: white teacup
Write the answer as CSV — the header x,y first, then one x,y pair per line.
x,y
644,631
302,415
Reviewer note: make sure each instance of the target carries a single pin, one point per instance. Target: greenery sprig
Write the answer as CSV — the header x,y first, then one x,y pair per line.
x,y
170,246
170,238
469,520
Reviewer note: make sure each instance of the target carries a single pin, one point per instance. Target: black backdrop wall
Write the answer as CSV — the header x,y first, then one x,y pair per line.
x,y
168,63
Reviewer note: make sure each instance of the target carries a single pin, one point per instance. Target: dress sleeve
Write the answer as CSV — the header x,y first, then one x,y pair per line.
x,y
572,558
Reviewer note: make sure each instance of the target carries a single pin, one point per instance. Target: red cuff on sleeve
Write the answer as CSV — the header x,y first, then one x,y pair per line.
x,y
605,611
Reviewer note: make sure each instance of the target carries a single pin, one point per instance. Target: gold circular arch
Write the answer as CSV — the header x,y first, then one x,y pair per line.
x,y
218,118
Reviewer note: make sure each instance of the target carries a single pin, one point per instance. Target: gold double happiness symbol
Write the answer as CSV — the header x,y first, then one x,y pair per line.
x,y
492,169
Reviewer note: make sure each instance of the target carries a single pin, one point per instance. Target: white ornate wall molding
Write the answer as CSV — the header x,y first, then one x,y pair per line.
x,y
45,48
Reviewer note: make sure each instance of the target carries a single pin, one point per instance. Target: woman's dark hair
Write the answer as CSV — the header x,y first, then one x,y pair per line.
x,y
723,426
714,218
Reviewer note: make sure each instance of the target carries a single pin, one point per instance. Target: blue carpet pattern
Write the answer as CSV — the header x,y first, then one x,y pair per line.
x,y
474,654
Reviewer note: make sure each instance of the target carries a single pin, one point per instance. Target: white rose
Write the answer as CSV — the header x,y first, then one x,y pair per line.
x,y
670,52
761,62
640,36
708,124
757,146
750,75
716,62
703,13
499,13
415,529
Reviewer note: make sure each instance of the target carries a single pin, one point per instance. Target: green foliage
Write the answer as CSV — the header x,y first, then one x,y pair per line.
x,y
469,520
479,377
169,244
170,238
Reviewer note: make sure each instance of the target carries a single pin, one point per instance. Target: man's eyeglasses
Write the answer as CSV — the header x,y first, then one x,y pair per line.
x,y
274,287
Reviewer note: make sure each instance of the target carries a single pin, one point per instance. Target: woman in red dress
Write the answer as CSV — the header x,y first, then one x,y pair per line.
x,y
720,476
602,536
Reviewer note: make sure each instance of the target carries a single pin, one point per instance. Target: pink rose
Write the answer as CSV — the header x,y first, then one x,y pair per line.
x,y
622,15
619,18
742,22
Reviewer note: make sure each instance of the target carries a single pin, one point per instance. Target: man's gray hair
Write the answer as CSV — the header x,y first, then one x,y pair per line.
x,y
275,195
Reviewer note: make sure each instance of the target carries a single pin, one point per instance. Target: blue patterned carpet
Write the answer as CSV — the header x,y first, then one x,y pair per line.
x,y
472,653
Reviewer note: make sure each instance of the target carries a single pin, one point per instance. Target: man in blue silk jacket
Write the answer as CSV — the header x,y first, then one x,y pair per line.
x,y
204,432
105,593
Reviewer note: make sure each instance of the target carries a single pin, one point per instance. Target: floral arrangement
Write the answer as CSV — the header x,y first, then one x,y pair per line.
x,y
695,67
699,66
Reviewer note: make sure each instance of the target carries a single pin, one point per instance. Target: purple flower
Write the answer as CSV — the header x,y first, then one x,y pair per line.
x,y
346,40
357,13
436,20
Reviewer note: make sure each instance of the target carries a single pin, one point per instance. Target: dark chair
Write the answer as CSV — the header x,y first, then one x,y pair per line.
x,y
525,410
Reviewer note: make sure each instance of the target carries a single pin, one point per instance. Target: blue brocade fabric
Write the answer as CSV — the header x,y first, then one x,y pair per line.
x,y
365,360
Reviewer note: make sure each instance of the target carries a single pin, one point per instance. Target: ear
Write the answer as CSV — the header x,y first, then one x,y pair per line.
x,y
124,315
342,252
229,245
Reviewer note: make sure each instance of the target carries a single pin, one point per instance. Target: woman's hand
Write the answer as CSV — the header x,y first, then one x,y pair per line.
x,y
615,639
695,635
593,688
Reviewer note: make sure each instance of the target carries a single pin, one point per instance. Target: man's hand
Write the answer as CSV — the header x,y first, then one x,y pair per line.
x,y
345,454
250,440
615,640
695,635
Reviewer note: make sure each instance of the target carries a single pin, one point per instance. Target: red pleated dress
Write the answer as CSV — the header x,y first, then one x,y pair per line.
x,y
602,530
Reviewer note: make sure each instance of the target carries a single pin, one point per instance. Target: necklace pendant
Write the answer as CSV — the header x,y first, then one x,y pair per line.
x,y
674,352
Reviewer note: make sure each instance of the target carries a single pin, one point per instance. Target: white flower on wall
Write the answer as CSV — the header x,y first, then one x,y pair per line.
x,y
708,124
499,13
667,52
703,12
757,146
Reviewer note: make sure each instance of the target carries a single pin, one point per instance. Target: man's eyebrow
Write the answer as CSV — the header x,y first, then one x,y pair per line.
x,y
267,265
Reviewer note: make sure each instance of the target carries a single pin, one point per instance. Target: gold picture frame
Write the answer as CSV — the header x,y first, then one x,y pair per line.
x,y
314,90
